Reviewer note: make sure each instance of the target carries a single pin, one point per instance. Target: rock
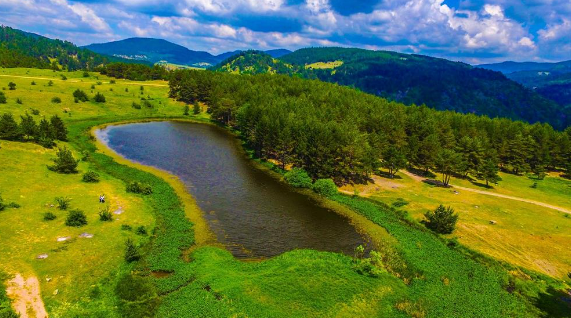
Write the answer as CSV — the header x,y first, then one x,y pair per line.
x,y
48,279
86,235
63,238
492,222
42,256
56,292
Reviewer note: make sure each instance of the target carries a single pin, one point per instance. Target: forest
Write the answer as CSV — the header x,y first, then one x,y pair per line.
x,y
22,49
412,79
340,133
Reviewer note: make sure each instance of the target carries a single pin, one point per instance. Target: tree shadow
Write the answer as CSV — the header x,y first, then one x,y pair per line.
x,y
387,175
481,185
422,173
554,303
436,183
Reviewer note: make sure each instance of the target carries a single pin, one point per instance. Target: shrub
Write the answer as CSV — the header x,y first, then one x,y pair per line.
x,y
136,106
112,81
105,214
137,296
34,111
400,202
186,110
298,178
76,218
99,83
56,100
141,230
147,104
85,74
99,98
196,109
19,101
131,251
3,99
325,187
50,83
92,86
80,95
371,266
13,205
126,227
33,83
138,187
64,162
49,216
90,177
63,202
442,220
2,205
11,86
63,77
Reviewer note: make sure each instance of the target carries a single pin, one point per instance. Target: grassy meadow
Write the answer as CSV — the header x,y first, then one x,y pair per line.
x,y
185,274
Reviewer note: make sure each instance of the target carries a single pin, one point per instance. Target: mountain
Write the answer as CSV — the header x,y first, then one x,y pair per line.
x,y
153,50
164,52
23,49
551,80
255,62
412,79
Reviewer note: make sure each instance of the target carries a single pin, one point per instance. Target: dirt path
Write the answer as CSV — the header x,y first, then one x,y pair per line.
x,y
77,81
418,178
26,297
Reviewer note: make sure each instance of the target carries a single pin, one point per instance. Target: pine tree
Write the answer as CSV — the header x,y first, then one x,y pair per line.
x,y
131,251
488,171
58,128
9,129
447,163
64,162
442,220
29,126
393,160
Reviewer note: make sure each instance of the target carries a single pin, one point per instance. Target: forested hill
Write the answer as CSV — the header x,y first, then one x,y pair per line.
x,y
255,62
23,49
416,79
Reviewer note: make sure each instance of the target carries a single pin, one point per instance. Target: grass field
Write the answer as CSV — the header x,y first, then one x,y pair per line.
x,y
189,276
527,235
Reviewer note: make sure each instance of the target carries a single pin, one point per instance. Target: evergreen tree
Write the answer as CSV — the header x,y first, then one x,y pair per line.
x,y
99,98
3,99
393,160
442,220
58,128
11,86
488,171
131,251
64,162
9,129
29,126
447,163
196,109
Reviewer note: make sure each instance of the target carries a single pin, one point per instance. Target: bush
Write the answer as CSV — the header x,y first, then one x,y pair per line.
x,y
442,220
112,81
325,187
63,77
33,83
11,86
400,202
99,98
56,100
196,109
136,106
34,111
372,266
76,218
3,99
141,230
90,177
138,187
64,162
80,95
63,202
49,216
2,205
105,214
298,178
186,110
126,227
131,251
147,104
50,83
13,205
85,74
19,101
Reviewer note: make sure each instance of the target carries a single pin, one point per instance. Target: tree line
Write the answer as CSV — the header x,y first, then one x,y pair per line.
x,y
134,72
44,133
340,133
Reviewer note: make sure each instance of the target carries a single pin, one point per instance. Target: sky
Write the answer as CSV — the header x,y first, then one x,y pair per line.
x,y
473,31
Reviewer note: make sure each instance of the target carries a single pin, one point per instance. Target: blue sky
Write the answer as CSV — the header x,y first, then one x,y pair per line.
x,y
473,31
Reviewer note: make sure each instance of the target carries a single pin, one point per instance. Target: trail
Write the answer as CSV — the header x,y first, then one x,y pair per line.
x,y
77,81
545,205
26,297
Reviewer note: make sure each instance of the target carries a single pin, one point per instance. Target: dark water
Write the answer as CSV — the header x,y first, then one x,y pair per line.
x,y
250,212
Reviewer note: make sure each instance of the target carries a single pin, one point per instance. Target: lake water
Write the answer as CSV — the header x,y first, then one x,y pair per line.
x,y
250,212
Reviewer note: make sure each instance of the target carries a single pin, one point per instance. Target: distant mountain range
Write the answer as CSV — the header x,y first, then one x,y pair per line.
x,y
158,50
411,79
551,80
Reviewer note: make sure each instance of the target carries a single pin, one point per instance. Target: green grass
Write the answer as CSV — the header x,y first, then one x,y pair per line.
x,y
426,277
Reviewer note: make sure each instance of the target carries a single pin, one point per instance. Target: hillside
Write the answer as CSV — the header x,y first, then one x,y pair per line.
x,y
414,79
152,50
551,80
162,51
23,49
255,62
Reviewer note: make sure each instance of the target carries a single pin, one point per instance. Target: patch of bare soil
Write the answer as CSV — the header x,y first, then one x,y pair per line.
x,y
26,297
